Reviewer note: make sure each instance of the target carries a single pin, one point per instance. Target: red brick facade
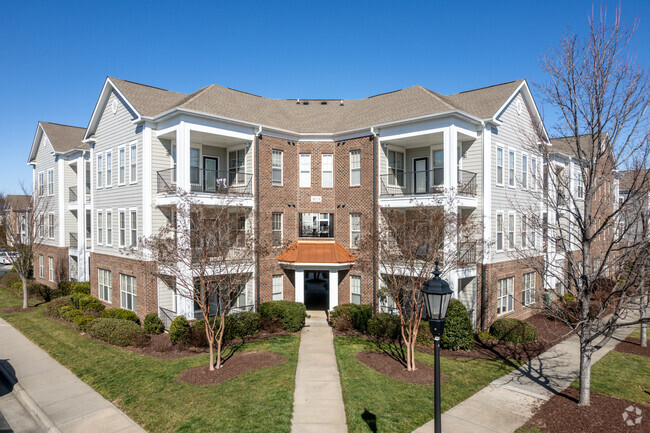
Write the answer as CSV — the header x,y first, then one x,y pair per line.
x,y
60,256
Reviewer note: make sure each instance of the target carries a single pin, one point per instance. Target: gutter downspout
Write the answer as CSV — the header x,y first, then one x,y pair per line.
x,y
257,219
374,218
483,233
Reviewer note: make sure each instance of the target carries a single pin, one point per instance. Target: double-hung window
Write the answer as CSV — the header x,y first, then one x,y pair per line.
x,y
109,228
134,228
438,167
50,262
505,289
528,291
355,230
195,169
511,168
327,170
236,166
524,231
511,231
100,228
532,236
50,226
499,231
134,163
276,228
41,184
277,287
122,165
355,289
524,171
50,182
499,166
105,285
395,168
41,266
355,167
109,168
122,222
129,298
277,159
100,171
533,173
305,170
580,186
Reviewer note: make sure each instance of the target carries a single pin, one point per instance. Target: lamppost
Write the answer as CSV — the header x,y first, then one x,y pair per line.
x,y
437,294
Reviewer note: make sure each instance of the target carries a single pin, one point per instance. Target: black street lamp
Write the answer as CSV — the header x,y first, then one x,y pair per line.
x,y
437,294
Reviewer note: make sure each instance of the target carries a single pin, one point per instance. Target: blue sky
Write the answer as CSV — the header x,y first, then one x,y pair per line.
x,y
54,56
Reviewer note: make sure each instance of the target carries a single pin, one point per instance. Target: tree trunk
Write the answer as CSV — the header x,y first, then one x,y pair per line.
x,y
644,325
25,294
585,376
211,344
220,339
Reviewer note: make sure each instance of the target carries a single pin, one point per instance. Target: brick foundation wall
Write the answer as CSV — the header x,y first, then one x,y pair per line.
x,y
61,272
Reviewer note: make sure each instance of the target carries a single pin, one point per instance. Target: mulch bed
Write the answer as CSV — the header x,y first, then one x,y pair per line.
x,y
633,346
17,310
239,363
395,368
605,415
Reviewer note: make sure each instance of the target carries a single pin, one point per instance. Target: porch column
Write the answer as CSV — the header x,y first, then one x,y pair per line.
x,y
83,274
450,204
300,285
183,157
450,143
334,289
185,285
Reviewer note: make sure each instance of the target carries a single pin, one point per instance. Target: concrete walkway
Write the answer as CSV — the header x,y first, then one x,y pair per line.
x,y
508,402
317,400
55,398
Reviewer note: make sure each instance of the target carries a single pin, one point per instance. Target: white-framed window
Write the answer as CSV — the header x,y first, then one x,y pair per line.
x,y
276,228
41,226
133,228
316,225
528,291
499,166
122,229
533,173
100,170
305,170
277,163
524,231
109,168
580,186
532,234
505,289
499,231
41,184
395,168
277,287
109,228
50,225
355,167
355,289
134,163
50,182
524,171
355,230
105,285
511,231
121,164
511,168
129,298
100,228
237,166
50,262
195,166
41,265
327,170
438,167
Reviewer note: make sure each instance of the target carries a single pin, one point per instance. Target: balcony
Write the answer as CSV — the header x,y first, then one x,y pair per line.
x,y
400,183
224,182
467,254
72,194
74,243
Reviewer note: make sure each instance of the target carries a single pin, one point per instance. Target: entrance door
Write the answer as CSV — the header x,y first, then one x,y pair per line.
x,y
317,290
210,173
420,175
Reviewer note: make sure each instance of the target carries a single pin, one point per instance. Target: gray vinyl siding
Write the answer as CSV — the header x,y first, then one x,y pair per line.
x,y
45,161
165,295
114,131
472,160
160,160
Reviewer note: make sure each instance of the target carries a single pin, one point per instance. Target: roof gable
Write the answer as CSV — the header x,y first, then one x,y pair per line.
x,y
61,138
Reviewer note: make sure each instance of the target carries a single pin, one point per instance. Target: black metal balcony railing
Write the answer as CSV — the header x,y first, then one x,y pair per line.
x,y
74,243
401,183
467,253
209,181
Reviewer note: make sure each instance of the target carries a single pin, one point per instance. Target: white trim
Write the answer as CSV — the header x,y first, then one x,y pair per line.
x,y
108,180
147,191
132,211
49,225
61,201
98,171
281,291
503,232
322,171
133,144
496,166
512,160
512,243
316,266
281,152
350,166
50,170
360,230
98,227
109,239
300,158
120,149
121,212
525,184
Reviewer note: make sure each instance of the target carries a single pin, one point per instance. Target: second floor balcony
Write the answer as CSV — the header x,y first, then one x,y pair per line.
x,y
223,182
400,183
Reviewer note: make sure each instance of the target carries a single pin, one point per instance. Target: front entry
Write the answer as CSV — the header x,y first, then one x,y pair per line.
x,y
318,289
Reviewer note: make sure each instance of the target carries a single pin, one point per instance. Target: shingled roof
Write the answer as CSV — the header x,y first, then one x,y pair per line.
x,y
64,137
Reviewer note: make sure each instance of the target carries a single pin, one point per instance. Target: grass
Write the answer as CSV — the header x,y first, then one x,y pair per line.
x,y
370,397
147,390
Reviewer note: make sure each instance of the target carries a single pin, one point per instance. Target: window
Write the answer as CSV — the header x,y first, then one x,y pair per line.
x,y
277,287
41,184
524,231
50,226
105,291
50,182
129,299
499,232
355,289
533,173
100,171
277,167
276,228
504,295
511,231
236,166
580,186
511,168
524,171
499,166
100,228
528,292
122,166
327,168
50,262
134,163
532,238
134,228
41,265
89,225
122,228
305,170
109,168
41,226
438,167
395,168
109,228
355,230
195,171
355,168
316,225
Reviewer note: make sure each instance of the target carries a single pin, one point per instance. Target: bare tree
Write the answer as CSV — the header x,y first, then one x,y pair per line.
x,y
207,253
602,96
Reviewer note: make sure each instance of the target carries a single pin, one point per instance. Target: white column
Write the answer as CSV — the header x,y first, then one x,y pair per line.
x,y
60,218
83,274
147,190
450,143
183,157
334,289
486,181
300,285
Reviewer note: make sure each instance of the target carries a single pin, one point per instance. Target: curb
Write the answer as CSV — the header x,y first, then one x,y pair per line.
x,y
28,403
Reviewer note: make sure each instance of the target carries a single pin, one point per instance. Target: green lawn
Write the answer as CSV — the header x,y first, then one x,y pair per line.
x,y
400,407
147,390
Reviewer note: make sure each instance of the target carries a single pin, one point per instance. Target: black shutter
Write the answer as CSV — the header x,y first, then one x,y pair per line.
x,y
331,225
299,225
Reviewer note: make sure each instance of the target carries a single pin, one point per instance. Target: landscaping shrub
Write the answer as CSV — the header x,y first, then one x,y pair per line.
x,y
238,325
384,325
424,334
197,337
514,330
53,308
484,336
70,312
17,286
88,304
153,324
119,332
291,314
42,291
81,287
179,330
120,313
458,332
358,315
9,279
81,322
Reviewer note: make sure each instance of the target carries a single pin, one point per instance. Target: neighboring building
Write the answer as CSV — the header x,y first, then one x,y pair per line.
x,y
633,218
16,217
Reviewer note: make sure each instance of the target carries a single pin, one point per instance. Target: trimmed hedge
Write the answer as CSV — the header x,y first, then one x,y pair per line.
x,y
88,304
73,315
291,314
53,308
70,287
238,325
384,325
514,330
120,313
119,332
179,330
153,324
357,315
458,332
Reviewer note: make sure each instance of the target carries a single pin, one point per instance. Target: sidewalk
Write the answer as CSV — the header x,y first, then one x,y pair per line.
x,y
55,397
508,402
318,399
